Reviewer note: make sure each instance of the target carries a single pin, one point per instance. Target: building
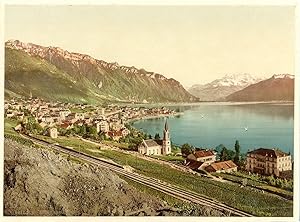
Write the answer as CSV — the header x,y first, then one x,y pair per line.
x,y
102,126
200,159
150,147
53,132
268,161
115,135
157,147
222,167
64,113
125,132
205,156
194,164
18,127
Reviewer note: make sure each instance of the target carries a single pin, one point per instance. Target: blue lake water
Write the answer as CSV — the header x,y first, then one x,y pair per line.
x,y
210,124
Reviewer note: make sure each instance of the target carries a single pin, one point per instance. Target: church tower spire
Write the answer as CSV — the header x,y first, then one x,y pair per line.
x,y
166,145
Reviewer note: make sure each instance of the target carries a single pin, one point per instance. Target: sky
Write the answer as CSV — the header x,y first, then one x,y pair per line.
x,y
192,44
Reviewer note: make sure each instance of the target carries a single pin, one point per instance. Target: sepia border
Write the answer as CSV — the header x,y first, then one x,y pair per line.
x,y
160,2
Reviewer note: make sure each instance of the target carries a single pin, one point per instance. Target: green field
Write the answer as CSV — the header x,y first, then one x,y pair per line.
x,y
266,187
257,203
170,158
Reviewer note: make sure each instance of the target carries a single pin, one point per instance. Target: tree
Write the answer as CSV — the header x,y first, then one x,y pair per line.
x,y
92,132
149,136
103,136
82,130
32,126
219,149
223,154
157,136
226,154
187,149
237,152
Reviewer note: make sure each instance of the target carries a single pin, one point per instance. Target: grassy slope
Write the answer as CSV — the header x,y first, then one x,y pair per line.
x,y
260,204
56,80
25,74
256,184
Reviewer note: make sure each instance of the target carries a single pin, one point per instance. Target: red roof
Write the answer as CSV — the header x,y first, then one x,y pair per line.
x,y
65,125
225,165
203,153
114,133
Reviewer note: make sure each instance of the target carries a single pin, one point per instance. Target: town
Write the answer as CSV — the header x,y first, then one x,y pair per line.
x,y
54,118
111,122
87,128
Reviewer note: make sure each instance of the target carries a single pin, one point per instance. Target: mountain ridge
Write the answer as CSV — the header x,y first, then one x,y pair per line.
x,y
105,81
218,89
280,87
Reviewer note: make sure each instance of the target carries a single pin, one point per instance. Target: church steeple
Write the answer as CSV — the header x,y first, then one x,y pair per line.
x,y
166,125
166,146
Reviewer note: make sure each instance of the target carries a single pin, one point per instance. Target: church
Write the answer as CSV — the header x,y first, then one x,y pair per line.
x,y
157,147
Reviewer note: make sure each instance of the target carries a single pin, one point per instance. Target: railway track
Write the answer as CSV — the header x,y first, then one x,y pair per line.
x,y
148,181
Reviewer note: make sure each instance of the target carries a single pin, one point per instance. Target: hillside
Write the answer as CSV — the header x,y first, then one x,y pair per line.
x,y
53,73
220,88
39,182
277,88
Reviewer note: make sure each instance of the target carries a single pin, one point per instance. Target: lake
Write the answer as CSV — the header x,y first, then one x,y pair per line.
x,y
210,124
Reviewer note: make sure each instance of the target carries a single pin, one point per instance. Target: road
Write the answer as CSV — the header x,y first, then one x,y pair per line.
x,y
147,181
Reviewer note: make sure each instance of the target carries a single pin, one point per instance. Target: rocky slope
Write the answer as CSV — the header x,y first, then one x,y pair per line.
x,y
38,182
277,88
80,77
220,88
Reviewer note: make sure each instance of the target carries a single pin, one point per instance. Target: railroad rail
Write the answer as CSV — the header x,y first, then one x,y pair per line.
x,y
148,181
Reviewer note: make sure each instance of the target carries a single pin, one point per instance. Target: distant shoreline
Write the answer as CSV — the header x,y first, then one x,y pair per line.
x,y
154,117
212,103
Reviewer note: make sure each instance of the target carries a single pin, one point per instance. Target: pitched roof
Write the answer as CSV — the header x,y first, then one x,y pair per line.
x,y
224,165
150,143
268,152
203,153
115,133
65,125
193,164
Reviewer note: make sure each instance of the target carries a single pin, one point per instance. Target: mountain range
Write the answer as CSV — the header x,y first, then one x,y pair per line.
x,y
277,88
56,74
219,89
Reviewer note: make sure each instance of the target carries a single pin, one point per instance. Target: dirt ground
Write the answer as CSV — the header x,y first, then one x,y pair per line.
x,y
39,182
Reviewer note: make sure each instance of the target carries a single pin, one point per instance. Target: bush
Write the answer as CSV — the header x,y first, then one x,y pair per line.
x,y
19,139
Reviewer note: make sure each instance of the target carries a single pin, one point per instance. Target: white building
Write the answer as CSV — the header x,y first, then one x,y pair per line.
x,y
157,147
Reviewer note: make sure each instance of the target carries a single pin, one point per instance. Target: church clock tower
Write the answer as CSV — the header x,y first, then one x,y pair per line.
x,y
166,145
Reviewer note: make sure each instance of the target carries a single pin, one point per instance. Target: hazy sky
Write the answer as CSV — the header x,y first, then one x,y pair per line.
x,y
193,44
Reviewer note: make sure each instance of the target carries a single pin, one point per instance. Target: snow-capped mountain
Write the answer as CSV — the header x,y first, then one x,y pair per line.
x,y
282,76
277,88
236,80
220,88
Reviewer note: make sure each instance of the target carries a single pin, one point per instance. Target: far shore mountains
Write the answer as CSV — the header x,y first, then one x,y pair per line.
x,y
56,74
246,88
53,73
